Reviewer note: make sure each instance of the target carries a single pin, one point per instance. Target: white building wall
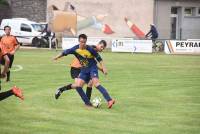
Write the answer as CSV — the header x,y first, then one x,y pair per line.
x,y
188,27
191,28
139,12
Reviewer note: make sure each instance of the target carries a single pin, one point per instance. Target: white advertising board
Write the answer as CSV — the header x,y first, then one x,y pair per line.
x,y
130,45
182,47
70,42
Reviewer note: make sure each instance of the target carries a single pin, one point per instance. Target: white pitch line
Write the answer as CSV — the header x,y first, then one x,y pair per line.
x,y
16,68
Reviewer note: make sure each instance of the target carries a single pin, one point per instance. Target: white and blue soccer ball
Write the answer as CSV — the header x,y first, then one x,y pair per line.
x,y
96,102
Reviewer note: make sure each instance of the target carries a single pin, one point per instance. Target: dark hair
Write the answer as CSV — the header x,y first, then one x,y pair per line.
x,y
54,7
82,36
6,27
103,42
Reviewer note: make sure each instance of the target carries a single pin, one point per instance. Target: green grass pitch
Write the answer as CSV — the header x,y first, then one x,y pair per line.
x,y
155,94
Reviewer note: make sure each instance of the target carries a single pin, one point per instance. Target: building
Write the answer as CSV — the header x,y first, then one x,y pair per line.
x,y
177,19
140,12
174,19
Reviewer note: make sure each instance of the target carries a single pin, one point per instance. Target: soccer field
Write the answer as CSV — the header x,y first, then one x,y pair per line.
x,y
155,94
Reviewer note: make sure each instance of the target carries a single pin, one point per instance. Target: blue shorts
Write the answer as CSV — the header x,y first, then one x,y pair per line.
x,y
89,73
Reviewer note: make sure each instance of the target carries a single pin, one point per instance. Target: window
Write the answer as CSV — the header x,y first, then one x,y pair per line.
x,y
198,12
37,27
174,10
188,11
25,28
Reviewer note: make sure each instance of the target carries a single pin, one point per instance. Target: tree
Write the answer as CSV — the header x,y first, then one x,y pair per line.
x,y
4,3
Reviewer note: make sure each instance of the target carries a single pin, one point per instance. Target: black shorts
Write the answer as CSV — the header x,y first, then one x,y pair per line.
x,y
11,58
75,72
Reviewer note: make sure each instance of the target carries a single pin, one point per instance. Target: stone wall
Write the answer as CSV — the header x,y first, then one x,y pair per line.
x,y
34,10
5,12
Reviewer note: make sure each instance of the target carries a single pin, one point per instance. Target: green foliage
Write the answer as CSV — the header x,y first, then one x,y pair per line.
x,y
155,94
4,3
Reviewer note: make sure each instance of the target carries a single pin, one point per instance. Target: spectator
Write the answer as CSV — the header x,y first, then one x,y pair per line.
x,y
153,34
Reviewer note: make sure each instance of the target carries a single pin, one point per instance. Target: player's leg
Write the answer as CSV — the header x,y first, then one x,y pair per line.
x,y
74,75
89,89
83,77
6,94
14,91
96,83
103,91
3,63
60,90
11,58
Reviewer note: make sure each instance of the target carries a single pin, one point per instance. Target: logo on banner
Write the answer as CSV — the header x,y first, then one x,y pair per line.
x,y
134,48
182,47
117,43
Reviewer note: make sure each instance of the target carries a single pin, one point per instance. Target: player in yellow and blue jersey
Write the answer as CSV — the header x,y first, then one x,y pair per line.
x,y
88,57
75,71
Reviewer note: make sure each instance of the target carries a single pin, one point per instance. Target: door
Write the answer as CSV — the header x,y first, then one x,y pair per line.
x,y
174,26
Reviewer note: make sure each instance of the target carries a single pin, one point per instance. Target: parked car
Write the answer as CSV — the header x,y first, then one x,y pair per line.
x,y
25,30
47,37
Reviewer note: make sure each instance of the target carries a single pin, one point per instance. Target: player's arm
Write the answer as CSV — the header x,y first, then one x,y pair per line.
x,y
58,56
6,66
103,68
16,46
100,68
100,60
64,53
15,49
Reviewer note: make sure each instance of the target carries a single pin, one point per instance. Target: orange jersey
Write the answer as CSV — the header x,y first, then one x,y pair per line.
x,y
10,42
2,51
75,63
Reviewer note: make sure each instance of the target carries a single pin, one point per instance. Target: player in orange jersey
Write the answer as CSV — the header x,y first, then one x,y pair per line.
x,y
11,45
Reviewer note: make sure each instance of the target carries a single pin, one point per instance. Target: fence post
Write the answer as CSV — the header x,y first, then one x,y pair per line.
x,y
49,42
180,33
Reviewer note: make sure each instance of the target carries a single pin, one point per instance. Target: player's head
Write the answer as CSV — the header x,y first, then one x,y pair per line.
x,y
82,38
101,45
7,30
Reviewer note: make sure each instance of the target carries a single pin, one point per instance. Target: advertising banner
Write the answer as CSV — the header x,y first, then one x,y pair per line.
x,y
70,42
182,47
130,45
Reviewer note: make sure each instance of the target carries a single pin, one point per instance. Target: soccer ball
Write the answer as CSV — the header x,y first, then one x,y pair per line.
x,y
96,102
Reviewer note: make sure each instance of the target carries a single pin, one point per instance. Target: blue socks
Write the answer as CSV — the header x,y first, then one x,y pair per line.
x,y
104,92
89,92
83,96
